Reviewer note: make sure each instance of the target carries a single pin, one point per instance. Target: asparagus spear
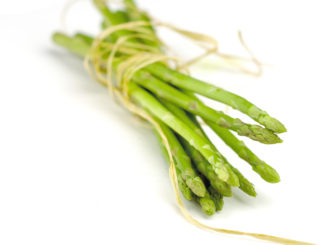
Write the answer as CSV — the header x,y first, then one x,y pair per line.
x,y
217,198
74,44
175,96
112,18
208,90
185,190
245,185
188,174
207,204
259,166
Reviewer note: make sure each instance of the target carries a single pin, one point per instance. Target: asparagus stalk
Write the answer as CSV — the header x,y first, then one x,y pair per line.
x,y
75,45
185,190
171,94
84,37
207,204
208,90
217,198
245,185
188,174
268,173
112,18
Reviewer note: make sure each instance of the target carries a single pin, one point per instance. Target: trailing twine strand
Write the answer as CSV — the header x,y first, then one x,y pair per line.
x,y
103,62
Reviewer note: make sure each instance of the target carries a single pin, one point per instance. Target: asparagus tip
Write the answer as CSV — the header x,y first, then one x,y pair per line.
x,y
223,188
268,173
250,190
58,36
217,198
186,192
219,204
273,124
197,186
233,179
207,205
260,134
263,118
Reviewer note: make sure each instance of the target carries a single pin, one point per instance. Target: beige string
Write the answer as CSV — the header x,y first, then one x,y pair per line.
x,y
230,58
205,41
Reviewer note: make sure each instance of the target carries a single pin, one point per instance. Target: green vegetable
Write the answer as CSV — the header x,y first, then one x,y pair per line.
x,y
200,162
163,90
168,96
207,204
263,169
202,165
188,174
185,190
151,104
206,169
217,198
210,91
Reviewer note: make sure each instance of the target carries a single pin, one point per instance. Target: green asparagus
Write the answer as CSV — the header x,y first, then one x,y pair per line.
x,y
185,190
188,174
259,166
203,173
149,102
208,90
175,96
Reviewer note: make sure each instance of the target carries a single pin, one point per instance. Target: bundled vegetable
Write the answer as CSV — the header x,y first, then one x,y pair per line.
x,y
129,59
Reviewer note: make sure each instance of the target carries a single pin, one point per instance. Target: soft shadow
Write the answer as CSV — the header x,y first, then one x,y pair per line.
x,y
246,200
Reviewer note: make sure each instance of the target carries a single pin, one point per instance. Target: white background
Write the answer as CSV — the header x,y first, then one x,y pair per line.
x,y
75,168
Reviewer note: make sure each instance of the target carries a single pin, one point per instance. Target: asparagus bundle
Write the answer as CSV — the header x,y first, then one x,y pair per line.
x,y
129,50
